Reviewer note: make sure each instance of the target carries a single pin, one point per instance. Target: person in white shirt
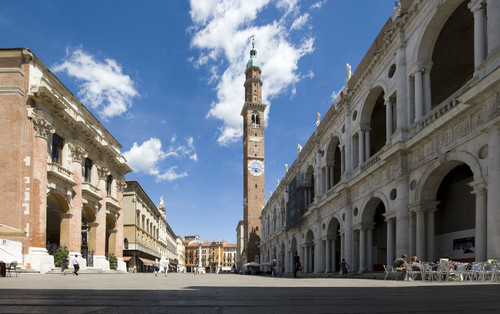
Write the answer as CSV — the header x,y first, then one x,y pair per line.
x,y
76,265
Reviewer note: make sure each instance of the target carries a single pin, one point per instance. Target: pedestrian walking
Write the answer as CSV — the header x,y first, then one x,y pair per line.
x,y
298,265
65,265
166,265
344,267
157,267
76,265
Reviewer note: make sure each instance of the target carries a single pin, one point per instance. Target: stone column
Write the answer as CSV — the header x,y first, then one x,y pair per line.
x,y
38,222
369,246
333,251
430,232
402,88
390,240
412,224
420,236
342,160
348,236
479,11
367,143
411,100
362,250
361,143
493,25
493,198
419,96
427,91
342,245
402,225
479,191
328,256
388,120
348,141
77,156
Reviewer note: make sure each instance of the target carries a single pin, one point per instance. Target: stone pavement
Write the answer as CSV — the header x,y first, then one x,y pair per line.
x,y
211,293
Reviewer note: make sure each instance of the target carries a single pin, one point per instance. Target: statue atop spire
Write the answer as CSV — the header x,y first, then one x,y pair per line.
x,y
253,62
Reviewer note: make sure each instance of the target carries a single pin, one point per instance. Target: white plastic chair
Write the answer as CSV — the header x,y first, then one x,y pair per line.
x,y
390,270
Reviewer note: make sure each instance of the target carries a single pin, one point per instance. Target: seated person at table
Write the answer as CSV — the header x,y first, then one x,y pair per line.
x,y
414,260
400,265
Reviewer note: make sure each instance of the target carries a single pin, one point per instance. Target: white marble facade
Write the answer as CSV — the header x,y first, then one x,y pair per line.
x,y
407,159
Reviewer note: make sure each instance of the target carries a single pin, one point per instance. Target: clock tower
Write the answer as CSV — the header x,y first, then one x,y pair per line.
x,y
253,159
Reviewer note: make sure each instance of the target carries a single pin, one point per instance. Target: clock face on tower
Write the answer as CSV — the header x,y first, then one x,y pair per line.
x,y
256,167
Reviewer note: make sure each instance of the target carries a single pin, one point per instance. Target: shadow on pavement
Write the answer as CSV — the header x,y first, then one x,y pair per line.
x,y
439,299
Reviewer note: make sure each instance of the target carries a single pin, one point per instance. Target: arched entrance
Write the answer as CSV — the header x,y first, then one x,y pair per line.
x,y
453,55
293,251
89,228
57,223
309,252
333,246
455,217
375,249
110,235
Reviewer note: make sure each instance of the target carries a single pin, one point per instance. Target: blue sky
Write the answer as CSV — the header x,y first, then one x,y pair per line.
x,y
166,80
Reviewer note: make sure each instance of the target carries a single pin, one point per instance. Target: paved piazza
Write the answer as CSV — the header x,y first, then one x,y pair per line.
x,y
187,293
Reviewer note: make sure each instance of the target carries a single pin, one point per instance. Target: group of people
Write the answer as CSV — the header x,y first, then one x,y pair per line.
x,y
276,268
166,265
401,263
74,261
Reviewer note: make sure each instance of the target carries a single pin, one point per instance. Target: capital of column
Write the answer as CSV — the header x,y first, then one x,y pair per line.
x,y
120,185
102,172
43,129
476,5
77,153
478,187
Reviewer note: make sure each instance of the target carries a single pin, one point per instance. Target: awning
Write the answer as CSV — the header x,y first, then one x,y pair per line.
x,y
127,258
146,261
10,231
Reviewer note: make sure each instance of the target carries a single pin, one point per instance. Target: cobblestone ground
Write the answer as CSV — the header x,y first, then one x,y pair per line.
x,y
210,293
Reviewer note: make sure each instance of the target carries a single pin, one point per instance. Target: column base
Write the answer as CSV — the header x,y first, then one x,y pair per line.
x,y
121,264
101,262
39,259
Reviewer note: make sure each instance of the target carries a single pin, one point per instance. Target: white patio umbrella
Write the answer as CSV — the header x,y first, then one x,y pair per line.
x,y
10,231
252,264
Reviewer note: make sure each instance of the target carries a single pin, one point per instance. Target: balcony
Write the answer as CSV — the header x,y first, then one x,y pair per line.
x,y
91,192
58,176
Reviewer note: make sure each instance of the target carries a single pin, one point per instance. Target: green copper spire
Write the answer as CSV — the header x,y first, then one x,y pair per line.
x,y
253,62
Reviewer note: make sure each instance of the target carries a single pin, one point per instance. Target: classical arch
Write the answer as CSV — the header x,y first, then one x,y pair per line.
x,y
377,245
110,235
332,246
444,58
431,178
445,210
308,254
372,133
89,231
57,222
333,164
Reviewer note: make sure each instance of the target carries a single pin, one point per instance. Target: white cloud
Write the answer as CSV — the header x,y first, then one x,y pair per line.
x,y
300,22
221,31
103,86
318,4
148,158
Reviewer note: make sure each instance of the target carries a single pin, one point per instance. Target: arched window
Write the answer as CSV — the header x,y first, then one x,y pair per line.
x,y
255,120
125,244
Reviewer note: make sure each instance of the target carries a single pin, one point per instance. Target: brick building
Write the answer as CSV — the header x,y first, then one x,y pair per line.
x,y
62,171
